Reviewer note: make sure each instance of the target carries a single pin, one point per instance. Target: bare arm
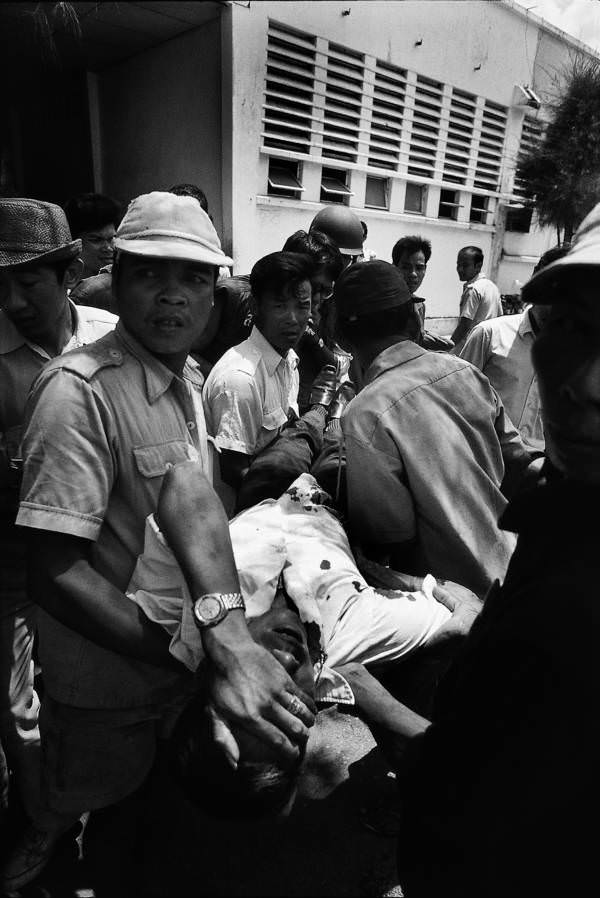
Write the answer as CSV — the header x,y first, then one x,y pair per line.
x,y
461,330
248,686
380,710
63,582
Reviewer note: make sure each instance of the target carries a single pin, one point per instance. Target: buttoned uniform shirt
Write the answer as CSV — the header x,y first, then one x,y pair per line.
x,y
249,395
103,424
501,348
480,299
426,443
21,360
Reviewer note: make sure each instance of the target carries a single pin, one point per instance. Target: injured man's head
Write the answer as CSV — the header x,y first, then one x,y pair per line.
x,y
308,604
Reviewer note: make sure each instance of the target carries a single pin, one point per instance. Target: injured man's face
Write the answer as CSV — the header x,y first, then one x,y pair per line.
x,y
281,632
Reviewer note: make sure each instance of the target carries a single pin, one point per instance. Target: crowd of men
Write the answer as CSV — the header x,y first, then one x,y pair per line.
x,y
228,501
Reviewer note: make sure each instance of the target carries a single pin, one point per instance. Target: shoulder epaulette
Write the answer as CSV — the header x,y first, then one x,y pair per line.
x,y
88,360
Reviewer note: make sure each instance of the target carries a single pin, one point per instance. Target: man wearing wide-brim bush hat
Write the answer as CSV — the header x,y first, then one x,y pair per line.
x,y
105,423
38,263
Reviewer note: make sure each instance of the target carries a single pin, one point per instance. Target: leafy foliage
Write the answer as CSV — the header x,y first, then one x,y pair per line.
x,y
563,173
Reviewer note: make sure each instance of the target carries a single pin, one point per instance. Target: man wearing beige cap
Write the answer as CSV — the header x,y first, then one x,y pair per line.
x,y
39,261
104,425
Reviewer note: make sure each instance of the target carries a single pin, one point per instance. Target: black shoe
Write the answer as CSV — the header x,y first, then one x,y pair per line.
x,y
344,394
324,386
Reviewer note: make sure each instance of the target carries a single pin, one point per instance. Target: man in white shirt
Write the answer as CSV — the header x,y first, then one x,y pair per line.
x,y
501,348
480,298
253,389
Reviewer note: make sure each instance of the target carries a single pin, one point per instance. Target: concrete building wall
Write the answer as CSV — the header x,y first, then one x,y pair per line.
x,y
160,118
482,48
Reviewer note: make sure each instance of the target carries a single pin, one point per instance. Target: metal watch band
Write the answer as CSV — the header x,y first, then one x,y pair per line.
x,y
230,600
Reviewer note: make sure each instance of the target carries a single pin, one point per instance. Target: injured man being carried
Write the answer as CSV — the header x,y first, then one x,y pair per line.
x,y
295,546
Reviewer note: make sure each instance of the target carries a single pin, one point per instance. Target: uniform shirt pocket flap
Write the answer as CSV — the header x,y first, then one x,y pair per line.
x,y
153,461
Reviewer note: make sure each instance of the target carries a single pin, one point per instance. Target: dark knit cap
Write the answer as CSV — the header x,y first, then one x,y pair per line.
x,y
367,287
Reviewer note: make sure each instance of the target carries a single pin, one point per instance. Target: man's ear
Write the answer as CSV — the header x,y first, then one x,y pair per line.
x,y
73,273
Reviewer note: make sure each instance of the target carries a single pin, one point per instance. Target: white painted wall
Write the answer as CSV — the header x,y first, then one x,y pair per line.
x,y
481,47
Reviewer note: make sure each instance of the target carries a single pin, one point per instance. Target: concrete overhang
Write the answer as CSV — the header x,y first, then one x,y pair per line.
x,y
92,36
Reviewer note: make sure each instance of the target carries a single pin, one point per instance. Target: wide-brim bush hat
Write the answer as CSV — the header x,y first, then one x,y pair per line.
x,y
167,226
549,284
34,231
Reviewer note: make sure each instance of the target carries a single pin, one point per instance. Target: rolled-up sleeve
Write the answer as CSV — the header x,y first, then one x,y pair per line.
x,y
380,506
68,457
235,413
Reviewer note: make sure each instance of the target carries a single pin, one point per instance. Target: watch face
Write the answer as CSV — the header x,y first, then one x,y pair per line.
x,y
209,609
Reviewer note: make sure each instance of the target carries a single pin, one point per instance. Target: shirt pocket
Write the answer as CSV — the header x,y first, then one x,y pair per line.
x,y
274,419
153,461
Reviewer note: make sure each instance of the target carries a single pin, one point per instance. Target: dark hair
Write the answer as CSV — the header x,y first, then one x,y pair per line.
x,y
320,247
278,271
253,790
88,211
363,225
475,252
552,255
373,325
410,245
191,190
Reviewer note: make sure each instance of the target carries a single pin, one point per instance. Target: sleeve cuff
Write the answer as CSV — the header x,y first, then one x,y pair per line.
x,y
58,520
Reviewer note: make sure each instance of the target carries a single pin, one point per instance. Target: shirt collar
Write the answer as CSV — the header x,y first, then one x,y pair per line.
x,y
11,337
477,277
398,354
525,326
271,358
157,376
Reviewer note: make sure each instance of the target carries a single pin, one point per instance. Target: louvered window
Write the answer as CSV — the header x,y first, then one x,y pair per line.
x,y
425,128
531,135
388,111
491,144
343,102
289,89
518,217
460,137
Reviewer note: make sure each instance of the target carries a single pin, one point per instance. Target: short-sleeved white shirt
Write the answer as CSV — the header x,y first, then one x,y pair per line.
x,y
249,394
480,300
501,348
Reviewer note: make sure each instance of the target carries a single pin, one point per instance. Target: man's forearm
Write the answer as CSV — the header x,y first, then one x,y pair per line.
x,y
461,331
62,581
379,707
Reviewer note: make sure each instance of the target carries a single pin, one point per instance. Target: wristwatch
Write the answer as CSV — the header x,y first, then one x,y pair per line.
x,y
211,608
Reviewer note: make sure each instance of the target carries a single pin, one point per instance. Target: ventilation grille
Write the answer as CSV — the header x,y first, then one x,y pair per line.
x,y
531,135
289,89
425,128
315,104
343,103
460,137
388,111
491,144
